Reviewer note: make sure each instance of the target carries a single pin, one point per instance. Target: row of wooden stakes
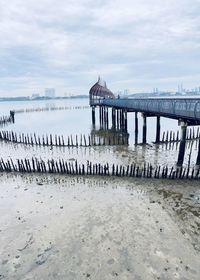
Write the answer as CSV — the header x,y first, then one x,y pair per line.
x,y
62,166
71,141
5,120
170,136
43,109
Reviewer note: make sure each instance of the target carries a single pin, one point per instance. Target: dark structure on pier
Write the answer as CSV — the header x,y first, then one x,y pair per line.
x,y
185,110
98,93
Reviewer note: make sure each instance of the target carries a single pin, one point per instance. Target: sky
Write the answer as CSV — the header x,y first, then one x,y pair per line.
x,y
132,44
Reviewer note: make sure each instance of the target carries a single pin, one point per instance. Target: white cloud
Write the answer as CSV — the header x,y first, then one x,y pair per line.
x,y
136,44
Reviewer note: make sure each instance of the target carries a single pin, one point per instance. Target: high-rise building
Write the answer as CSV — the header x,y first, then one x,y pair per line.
x,y
35,95
50,92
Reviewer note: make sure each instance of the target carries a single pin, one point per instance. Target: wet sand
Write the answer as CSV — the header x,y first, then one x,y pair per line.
x,y
58,227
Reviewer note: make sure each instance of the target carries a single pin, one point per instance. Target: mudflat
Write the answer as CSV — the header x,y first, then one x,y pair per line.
x,y
62,227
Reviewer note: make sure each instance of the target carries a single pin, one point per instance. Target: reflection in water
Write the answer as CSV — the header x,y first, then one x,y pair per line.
x,y
109,137
164,154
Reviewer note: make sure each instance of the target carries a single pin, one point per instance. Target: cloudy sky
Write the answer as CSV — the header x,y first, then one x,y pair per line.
x,y
66,44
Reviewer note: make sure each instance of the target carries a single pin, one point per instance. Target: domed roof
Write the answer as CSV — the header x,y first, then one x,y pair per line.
x,y
100,89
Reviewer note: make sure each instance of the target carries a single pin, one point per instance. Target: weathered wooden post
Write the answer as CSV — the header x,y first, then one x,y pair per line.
x,y
12,116
136,128
157,129
181,153
144,136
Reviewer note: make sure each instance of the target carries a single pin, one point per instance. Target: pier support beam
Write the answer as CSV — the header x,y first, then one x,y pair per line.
x,y
104,117
93,115
181,153
157,129
125,121
136,128
144,136
113,118
121,119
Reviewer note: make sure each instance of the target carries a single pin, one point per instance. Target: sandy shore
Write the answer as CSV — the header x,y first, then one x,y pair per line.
x,y
58,227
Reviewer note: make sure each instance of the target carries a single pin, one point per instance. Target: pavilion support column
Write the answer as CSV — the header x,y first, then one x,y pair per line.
x,y
158,129
104,117
107,118
117,119
93,115
122,120
100,116
136,128
144,136
181,153
198,155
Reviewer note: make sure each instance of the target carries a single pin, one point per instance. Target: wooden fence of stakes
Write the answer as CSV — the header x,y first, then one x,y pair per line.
x,y
61,166
43,109
171,136
86,140
5,120
61,141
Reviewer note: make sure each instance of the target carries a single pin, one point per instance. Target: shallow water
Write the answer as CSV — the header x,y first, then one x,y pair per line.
x,y
74,122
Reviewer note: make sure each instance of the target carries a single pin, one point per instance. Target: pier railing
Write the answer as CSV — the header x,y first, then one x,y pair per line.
x,y
185,108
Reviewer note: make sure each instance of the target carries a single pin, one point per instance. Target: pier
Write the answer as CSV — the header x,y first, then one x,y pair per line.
x,y
185,110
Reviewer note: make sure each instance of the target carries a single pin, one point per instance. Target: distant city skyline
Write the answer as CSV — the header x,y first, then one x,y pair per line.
x,y
52,92
133,44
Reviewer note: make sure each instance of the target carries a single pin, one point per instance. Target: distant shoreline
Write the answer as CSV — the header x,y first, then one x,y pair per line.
x,y
27,98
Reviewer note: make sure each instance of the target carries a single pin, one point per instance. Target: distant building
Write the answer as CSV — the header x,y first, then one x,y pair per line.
x,y
50,92
126,93
35,96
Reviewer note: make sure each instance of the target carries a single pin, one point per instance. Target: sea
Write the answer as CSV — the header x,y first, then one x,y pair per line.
x,y
73,117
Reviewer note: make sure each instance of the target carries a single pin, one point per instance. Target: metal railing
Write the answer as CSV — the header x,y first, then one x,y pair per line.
x,y
186,108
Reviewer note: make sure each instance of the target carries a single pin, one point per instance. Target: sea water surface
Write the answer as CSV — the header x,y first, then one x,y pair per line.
x,y
76,120
72,120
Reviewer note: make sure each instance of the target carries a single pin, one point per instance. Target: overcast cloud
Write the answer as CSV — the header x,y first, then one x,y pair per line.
x,y
65,44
